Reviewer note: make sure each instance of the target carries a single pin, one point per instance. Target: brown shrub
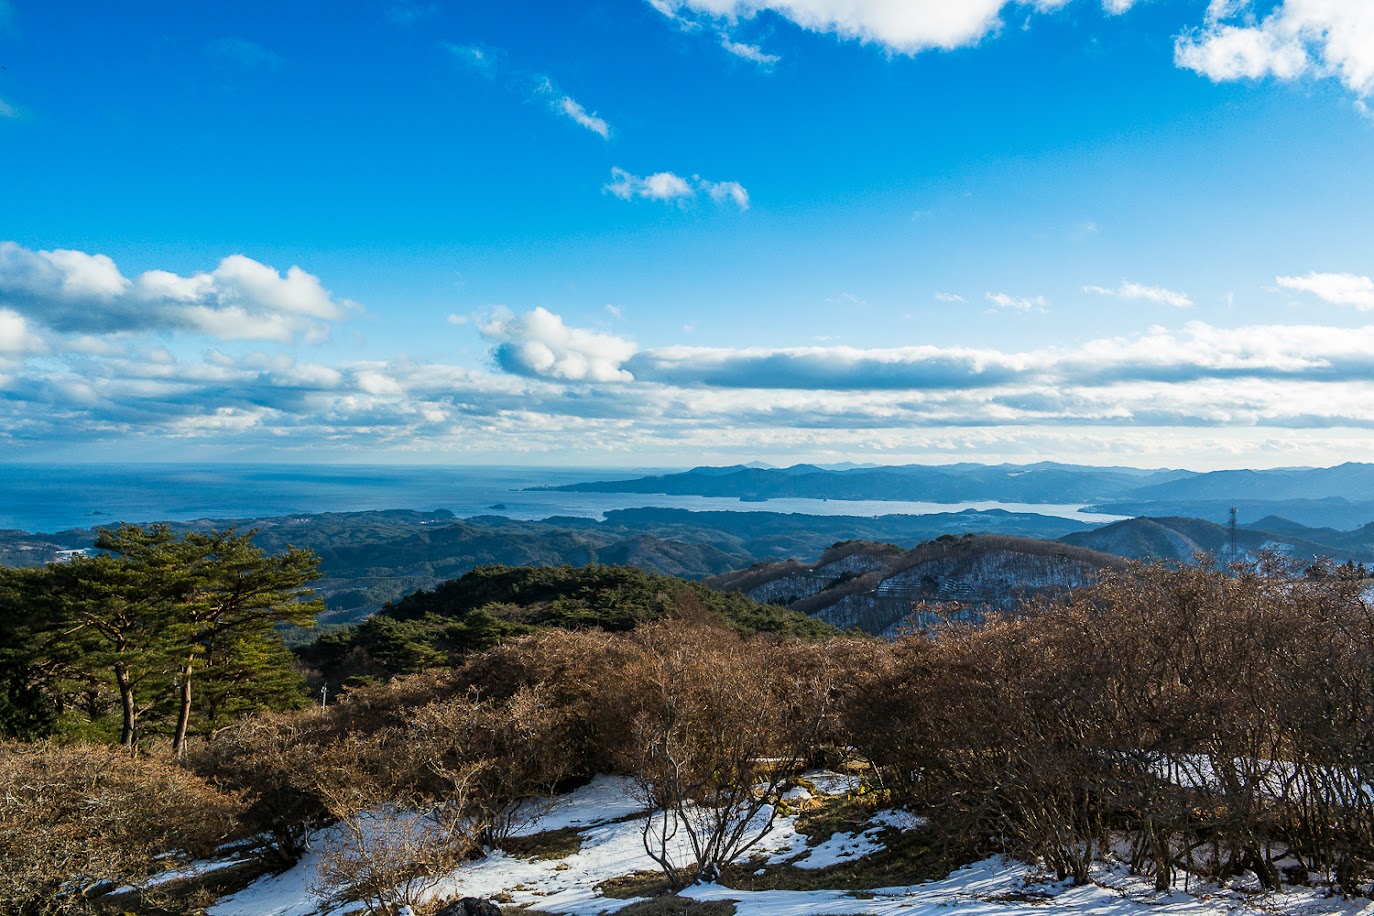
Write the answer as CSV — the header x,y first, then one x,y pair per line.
x,y
77,822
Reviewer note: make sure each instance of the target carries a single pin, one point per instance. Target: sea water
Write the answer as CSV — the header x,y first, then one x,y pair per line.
x,y
51,497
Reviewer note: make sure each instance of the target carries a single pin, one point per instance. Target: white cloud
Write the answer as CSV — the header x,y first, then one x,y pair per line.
x,y
902,26
658,186
15,337
721,191
668,186
69,276
1224,53
1017,303
478,58
569,106
669,9
7,110
1130,290
1262,384
1338,289
905,26
73,291
948,297
539,344
1329,38
747,51
491,64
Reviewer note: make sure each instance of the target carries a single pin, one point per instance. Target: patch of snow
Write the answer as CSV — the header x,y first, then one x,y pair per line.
x,y
604,799
606,814
899,819
190,870
841,847
828,782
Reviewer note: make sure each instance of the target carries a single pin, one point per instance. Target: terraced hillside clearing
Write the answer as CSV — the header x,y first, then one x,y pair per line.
x,y
881,588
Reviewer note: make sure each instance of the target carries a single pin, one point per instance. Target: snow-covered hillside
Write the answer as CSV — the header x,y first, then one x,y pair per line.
x,y
607,849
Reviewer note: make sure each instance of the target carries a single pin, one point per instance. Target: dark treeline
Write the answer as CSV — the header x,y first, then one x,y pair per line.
x,y
157,634
1192,720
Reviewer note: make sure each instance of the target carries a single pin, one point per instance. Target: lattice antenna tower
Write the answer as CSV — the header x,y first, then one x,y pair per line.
x,y
1235,552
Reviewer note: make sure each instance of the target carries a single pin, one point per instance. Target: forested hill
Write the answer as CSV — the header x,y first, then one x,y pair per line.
x,y
441,626
1183,538
876,587
371,558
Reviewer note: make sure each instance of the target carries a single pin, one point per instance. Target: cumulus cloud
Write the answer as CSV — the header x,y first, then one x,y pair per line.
x,y
901,26
1338,289
722,191
668,186
16,339
1224,53
1325,38
539,344
1130,290
241,299
658,186
836,368
1329,38
573,390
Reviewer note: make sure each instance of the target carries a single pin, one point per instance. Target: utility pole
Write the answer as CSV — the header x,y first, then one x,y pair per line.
x,y
324,695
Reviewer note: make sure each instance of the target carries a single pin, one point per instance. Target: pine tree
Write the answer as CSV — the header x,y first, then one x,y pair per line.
x,y
227,624
152,615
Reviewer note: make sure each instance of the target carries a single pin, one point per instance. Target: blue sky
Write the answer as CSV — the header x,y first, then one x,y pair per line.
x,y
688,231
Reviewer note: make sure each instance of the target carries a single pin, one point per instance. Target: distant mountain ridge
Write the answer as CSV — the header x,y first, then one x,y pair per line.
x,y
1336,497
1046,482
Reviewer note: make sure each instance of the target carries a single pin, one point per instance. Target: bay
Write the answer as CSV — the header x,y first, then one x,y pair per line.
x,y
56,497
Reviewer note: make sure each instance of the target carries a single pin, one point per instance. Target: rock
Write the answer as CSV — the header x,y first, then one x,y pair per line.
x,y
470,906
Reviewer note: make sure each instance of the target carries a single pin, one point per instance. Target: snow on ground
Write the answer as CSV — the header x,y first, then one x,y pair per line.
x,y
609,819
999,887
287,894
828,782
604,799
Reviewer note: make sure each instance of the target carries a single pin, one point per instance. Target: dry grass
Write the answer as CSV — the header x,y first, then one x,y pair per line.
x,y
542,847
636,884
679,906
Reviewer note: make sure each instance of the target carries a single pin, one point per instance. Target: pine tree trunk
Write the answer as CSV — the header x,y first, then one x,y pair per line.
x,y
184,718
126,699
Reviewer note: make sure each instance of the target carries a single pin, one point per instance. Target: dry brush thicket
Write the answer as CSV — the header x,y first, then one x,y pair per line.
x,y
1181,718
1191,720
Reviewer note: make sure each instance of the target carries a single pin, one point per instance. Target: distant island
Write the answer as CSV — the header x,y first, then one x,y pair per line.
x,y
1338,497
